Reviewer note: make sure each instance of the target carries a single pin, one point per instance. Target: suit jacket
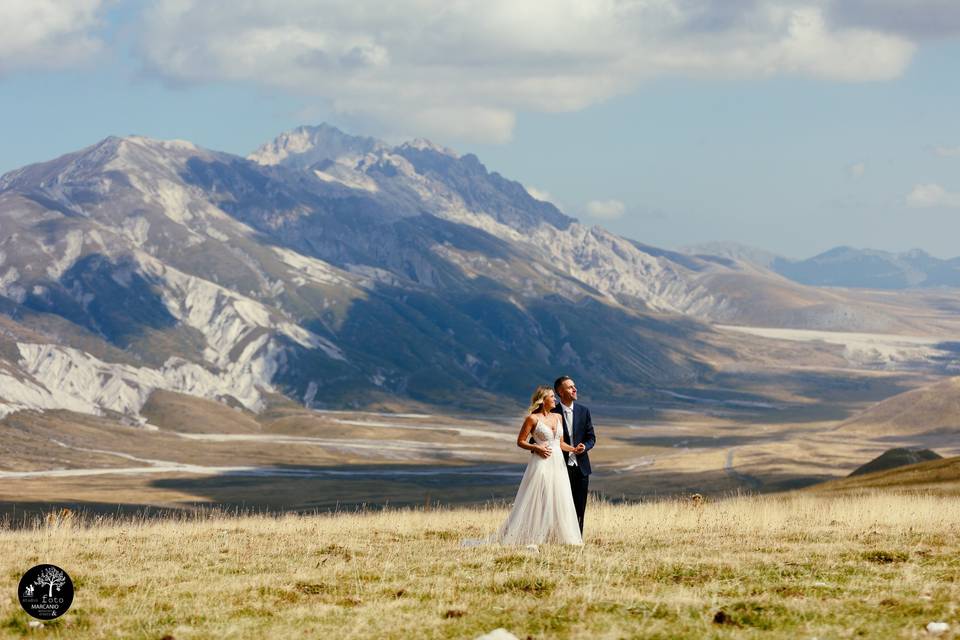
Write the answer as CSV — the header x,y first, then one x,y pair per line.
x,y
580,431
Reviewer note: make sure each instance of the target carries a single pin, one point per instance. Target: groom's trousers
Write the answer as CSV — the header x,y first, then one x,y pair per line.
x,y
578,485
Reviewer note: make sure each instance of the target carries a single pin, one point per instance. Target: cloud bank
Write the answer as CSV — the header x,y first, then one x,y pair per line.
x,y
916,19
465,69
37,34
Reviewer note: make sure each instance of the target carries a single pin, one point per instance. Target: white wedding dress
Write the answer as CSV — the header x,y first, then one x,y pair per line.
x,y
543,511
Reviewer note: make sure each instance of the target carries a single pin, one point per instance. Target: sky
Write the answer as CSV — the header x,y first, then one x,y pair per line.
x,y
789,126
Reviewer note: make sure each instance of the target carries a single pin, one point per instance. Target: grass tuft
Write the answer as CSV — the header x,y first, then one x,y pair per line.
x,y
886,557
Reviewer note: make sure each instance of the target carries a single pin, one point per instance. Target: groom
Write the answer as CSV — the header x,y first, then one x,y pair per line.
x,y
578,433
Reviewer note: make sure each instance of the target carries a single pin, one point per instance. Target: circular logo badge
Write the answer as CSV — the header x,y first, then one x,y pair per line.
x,y
45,592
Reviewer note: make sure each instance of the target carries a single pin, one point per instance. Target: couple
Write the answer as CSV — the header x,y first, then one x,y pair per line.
x,y
552,496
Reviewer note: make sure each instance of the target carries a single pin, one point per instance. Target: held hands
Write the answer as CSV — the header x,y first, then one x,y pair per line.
x,y
580,448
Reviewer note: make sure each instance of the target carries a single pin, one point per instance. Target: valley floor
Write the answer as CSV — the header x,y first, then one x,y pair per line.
x,y
774,415
791,566
757,428
307,461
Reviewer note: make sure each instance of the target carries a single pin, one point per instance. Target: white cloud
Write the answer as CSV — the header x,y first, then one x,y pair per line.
x,y
545,196
947,152
539,194
48,33
857,169
463,70
932,195
606,209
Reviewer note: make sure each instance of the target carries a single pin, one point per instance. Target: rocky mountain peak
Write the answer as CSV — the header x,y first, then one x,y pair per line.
x,y
733,251
123,154
308,145
917,254
844,252
422,144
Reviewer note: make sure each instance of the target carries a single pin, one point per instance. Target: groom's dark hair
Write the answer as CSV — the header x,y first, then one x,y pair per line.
x,y
559,381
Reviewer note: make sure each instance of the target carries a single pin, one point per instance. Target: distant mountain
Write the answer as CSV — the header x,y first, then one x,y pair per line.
x,y
893,458
848,267
338,270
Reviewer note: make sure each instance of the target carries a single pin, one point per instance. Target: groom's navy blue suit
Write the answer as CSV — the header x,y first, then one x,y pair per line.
x,y
581,431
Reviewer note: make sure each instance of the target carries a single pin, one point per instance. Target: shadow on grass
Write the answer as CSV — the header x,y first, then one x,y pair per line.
x,y
283,489
686,441
714,483
746,398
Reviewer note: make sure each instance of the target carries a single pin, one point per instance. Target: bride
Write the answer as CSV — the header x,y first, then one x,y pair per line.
x,y
543,511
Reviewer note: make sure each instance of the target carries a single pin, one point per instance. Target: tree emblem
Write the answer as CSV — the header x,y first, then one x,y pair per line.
x,y
52,577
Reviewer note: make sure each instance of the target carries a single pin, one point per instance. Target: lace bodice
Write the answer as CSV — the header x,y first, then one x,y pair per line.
x,y
543,433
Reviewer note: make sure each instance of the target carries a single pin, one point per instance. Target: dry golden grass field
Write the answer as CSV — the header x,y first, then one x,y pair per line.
x,y
799,565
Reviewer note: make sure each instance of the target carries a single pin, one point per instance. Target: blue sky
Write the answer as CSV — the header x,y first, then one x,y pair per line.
x,y
790,126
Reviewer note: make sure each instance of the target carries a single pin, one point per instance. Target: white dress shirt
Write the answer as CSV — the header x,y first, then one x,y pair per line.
x,y
568,418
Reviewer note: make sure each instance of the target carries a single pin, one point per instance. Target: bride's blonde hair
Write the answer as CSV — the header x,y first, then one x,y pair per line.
x,y
536,400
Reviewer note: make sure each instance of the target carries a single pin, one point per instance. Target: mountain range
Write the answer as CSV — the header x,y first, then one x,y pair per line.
x,y
848,267
335,270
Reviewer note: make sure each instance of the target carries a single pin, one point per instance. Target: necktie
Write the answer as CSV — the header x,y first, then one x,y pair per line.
x,y
568,415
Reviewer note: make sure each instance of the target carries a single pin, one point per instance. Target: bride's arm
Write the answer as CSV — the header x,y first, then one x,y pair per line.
x,y
524,437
